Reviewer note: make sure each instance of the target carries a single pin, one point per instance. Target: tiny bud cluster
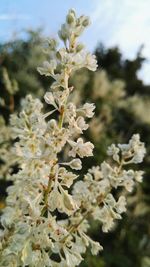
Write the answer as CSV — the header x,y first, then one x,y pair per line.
x,y
46,219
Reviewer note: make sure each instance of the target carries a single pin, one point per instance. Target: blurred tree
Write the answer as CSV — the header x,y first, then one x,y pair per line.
x,y
18,61
112,60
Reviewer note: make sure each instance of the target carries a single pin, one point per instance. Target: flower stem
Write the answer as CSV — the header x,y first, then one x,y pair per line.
x,y
61,117
62,109
75,227
46,195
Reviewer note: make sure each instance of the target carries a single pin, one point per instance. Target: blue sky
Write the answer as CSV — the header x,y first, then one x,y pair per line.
x,y
125,23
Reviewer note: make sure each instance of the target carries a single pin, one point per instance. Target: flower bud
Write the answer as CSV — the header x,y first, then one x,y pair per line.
x,y
63,33
72,11
86,22
52,124
79,47
52,43
49,98
58,55
70,18
62,36
68,201
75,164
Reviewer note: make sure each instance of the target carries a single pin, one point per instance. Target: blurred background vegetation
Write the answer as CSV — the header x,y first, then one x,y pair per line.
x,y
122,108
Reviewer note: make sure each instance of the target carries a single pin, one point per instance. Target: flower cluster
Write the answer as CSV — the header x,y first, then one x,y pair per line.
x,y
45,221
93,193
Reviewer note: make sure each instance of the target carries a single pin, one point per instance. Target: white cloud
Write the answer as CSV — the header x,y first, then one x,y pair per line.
x,y
125,23
13,17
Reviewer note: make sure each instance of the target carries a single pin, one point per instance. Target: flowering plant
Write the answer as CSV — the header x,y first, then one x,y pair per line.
x,y
46,219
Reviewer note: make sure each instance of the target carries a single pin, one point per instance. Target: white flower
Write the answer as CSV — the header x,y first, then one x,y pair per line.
x,y
125,149
67,178
49,99
72,258
48,68
139,154
78,126
34,205
96,171
91,62
113,151
121,205
138,176
80,190
60,81
68,201
110,200
88,110
138,147
80,148
107,219
135,150
107,170
81,123
95,247
70,111
128,180
54,199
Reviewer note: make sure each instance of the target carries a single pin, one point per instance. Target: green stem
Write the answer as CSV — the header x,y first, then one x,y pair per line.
x,y
61,117
46,195
75,227
12,104
62,110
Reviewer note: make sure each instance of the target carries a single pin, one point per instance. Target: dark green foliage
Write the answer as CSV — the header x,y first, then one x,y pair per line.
x,y
21,58
112,60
